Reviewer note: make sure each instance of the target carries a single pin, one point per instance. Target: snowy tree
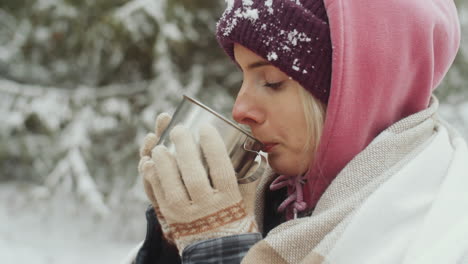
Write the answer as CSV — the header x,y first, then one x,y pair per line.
x,y
453,88
81,83
114,64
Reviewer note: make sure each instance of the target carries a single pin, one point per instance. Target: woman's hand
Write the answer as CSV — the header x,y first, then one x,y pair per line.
x,y
197,205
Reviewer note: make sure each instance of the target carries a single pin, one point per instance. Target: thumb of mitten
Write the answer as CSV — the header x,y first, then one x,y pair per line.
x,y
248,195
248,190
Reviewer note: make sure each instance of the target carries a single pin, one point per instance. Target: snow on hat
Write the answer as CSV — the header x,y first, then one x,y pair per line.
x,y
292,35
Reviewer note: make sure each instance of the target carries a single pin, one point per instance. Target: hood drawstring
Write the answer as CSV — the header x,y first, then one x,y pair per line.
x,y
295,197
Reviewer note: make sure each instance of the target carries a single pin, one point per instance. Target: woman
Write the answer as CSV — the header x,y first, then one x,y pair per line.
x,y
340,92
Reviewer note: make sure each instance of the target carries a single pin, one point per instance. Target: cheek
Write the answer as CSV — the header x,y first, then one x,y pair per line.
x,y
295,132
292,158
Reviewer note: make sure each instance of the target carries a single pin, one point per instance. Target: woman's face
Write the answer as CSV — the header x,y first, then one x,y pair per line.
x,y
269,103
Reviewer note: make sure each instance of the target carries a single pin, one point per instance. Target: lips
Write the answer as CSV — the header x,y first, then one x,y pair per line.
x,y
268,147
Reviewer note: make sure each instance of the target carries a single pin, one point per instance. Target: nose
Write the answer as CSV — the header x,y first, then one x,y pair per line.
x,y
247,109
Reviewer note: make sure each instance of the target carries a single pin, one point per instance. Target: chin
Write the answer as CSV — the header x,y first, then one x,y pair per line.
x,y
285,166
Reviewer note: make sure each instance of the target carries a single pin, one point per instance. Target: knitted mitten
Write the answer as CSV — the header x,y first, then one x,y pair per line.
x,y
198,204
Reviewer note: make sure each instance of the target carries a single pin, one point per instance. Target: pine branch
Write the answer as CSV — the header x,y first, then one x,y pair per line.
x,y
86,186
116,90
59,172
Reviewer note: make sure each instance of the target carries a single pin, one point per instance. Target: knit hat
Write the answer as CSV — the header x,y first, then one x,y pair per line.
x,y
292,35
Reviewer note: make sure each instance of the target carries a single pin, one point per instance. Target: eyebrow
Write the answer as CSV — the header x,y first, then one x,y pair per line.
x,y
258,64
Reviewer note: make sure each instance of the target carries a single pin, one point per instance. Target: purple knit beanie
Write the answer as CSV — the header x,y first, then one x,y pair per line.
x,y
293,35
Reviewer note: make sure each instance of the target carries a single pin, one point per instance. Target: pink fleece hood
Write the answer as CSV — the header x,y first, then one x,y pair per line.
x,y
388,57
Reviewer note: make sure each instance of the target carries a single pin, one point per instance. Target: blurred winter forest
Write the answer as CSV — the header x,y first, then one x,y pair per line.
x,y
81,83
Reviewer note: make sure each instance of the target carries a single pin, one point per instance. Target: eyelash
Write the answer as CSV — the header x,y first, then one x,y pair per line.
x,y
274,86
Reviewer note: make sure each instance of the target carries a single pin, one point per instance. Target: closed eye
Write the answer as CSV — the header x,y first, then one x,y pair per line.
x,y
273,86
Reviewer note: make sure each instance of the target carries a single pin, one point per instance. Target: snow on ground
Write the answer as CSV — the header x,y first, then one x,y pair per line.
x,y
37,230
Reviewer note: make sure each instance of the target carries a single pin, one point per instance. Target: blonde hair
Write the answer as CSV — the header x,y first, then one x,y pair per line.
x,y
314,112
